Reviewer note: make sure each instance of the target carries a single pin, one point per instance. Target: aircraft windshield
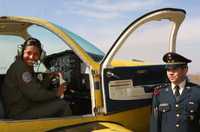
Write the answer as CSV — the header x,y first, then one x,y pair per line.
x,y
93,51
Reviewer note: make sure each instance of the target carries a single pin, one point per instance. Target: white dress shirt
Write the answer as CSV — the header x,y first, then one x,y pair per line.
x,y
181,86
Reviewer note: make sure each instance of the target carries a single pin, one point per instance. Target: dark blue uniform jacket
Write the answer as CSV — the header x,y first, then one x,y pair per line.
x,y
170,114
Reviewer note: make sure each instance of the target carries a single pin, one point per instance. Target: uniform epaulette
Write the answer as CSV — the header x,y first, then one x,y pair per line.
x,y
164,85
158,88
192,84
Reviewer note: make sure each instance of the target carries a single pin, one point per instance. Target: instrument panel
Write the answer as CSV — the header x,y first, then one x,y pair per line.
x,y
66,62
70,65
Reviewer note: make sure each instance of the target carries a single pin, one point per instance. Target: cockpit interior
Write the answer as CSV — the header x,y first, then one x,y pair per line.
x,y
74,74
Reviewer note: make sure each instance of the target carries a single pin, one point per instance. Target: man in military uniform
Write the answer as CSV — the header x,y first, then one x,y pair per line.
x,y
176,106
26,97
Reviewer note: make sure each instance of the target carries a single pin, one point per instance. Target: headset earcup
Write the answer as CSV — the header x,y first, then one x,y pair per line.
x,y
43,54
19,50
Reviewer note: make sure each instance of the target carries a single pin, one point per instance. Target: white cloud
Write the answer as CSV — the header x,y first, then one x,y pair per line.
x,y
107,9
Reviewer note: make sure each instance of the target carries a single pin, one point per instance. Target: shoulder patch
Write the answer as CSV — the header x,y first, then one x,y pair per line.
x,y
26,77
158,88
156,91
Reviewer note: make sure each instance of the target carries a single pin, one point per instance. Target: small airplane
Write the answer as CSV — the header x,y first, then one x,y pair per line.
x,y
107,94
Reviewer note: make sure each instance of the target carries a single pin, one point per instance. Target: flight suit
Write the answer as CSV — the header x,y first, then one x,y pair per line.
x,y
26,97
176,115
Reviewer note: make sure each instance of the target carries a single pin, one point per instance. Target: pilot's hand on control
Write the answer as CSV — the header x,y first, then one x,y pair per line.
x,y
62,85
53,75
61,90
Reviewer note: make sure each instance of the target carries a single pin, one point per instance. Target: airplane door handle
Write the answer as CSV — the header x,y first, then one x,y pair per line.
x,y
111,74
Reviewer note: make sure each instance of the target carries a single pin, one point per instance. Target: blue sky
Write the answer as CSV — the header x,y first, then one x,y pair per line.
x,y
101,21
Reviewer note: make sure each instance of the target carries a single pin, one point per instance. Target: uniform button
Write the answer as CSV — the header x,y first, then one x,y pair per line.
x,y
191,117
177,125
177,105
177,115
191,111
191,103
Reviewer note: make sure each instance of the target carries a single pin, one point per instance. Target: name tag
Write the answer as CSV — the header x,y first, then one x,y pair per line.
x,y
164,107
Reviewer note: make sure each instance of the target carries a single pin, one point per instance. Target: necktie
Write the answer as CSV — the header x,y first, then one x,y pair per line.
x,y
177,93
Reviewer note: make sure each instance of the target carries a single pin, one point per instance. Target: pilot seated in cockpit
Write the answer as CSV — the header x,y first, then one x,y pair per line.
x,y
24,95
